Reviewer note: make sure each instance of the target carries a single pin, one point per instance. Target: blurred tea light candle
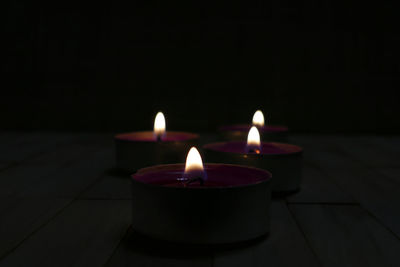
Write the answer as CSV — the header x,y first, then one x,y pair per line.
x,y
135,150
268,132
201,203
284,161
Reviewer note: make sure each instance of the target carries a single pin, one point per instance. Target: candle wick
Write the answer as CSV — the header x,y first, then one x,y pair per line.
x,y
195,179
253,151
158,138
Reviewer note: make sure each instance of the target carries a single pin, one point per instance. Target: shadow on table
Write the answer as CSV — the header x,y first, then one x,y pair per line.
x,y
142,244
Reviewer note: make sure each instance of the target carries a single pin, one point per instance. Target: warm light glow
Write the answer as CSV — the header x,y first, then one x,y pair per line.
x,y
194,162
258,118
253,140
194,170
159,125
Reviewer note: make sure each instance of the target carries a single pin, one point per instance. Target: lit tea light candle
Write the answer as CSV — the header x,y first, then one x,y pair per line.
x,y
201,204
268,132
284,161
136,150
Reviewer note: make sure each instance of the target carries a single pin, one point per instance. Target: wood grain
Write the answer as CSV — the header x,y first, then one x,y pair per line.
x,y
347,236
69,181
84,234
28,145
139,250
285,246
62,205
375,192
110,186
21,217
317,187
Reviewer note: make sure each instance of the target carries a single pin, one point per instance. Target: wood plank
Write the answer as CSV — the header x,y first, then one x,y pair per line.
x,y
372,150
138,250
31,144
29,175
69,181
317,187
347,236
85,234
62,154
21,217
391,173
13,179
387,149
110,186
9,140
9,137
378,153
375,192
285,245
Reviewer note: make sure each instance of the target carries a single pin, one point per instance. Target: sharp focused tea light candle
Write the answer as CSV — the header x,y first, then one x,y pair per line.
x,y
284,161
192,203
268,132
136,150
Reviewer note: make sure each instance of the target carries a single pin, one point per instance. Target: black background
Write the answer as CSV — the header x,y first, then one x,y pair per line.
x,y
316,66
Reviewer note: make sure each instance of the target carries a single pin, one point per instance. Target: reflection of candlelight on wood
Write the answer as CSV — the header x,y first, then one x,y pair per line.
x,y
194,170
253,141
159,126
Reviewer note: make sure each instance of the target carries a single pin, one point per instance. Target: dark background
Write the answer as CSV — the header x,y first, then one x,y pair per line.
x,y
317,66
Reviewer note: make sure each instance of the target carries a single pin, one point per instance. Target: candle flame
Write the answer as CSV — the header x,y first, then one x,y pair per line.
x,y
193,161
194,165
253,141
159,125
258,118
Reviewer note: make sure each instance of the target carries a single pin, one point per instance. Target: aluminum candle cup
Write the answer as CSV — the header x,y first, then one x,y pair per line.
x,y
239,132
231,205
142,149
284,161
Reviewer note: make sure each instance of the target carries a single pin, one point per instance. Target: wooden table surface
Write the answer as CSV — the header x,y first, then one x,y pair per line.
x,y
62,205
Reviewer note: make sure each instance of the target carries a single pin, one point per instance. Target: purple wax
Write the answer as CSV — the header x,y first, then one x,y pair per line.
x,y
218,175
148,136
246,128
269,148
